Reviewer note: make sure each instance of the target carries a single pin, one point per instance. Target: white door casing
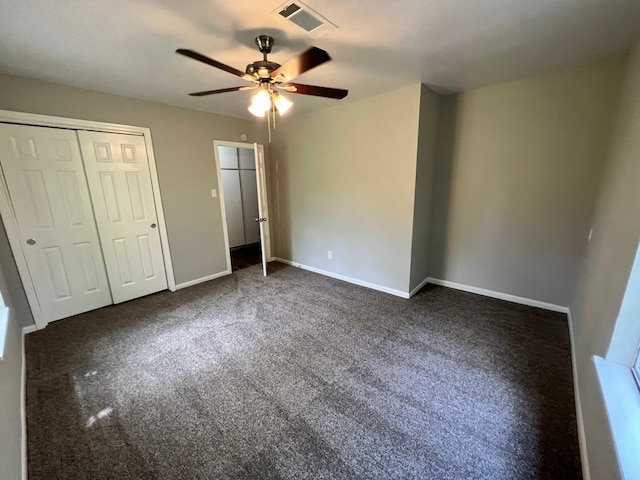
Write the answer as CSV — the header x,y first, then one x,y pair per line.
x,y
57,234
119,180
263,206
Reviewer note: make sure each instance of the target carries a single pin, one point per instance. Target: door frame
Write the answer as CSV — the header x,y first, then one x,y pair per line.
x,y
9,218
225,143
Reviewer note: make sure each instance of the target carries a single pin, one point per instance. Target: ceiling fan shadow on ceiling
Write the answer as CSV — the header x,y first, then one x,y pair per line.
x,y
268,78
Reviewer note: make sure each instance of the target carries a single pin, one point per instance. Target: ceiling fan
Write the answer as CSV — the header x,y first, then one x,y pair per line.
x,y
269,77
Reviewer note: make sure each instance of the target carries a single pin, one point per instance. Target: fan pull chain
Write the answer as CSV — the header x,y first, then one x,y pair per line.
x,y
269,125
271,117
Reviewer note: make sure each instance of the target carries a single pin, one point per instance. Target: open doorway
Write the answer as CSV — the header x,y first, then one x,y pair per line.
x,y
241,178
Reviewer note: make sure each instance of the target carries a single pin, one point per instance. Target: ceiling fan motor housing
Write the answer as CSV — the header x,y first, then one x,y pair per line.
x,y
262,68
265,43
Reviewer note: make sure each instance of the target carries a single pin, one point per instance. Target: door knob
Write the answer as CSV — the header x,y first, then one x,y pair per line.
x,y
31,241
153,225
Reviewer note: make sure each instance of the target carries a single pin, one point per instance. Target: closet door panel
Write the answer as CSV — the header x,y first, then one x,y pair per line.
x,y
49,195
120,184
250,205
228,157
233,207
246,159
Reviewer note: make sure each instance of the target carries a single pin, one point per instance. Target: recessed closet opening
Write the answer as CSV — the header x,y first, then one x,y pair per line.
x,y
241,182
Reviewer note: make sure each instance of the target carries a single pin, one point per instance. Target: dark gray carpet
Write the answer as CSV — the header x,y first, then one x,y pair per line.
x,y
299,376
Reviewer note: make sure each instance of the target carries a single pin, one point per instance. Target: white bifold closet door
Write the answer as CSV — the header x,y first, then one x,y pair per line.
x,y
85,213
49,195
118,175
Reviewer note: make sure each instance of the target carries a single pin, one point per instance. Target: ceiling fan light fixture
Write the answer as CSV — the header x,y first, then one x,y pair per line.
x,y
256,111
282,104
261,100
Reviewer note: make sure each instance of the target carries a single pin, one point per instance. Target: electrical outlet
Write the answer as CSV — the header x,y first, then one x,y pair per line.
x,y
330,255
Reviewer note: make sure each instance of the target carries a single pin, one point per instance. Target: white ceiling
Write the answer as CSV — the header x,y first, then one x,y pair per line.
x,y
127,47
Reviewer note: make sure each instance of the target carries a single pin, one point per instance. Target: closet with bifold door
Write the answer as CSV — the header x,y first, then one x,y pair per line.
x,y
84,210
238,175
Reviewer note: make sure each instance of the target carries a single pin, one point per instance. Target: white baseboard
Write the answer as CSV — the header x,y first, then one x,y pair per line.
x,y
190,283
499,295
355,281
582,438
418,287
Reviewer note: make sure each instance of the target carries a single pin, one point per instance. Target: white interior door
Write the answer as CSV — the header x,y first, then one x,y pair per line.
x,y
48,192
265,241
119,180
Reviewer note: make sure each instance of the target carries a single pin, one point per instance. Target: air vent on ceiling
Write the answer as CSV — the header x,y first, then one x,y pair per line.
x,y
303,16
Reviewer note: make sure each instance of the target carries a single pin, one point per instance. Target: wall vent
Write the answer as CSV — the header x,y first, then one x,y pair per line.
x,y
303,16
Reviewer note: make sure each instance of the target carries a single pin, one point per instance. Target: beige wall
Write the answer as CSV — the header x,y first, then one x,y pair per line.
x,y
346,177
10,395
183,147
425,172
519,165
608,261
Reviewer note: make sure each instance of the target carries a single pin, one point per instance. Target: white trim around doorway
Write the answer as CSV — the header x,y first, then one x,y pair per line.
x,y
224,143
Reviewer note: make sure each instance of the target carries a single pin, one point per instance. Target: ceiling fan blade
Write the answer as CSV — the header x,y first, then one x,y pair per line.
x,y
214,63
302,63
221,90
337,93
